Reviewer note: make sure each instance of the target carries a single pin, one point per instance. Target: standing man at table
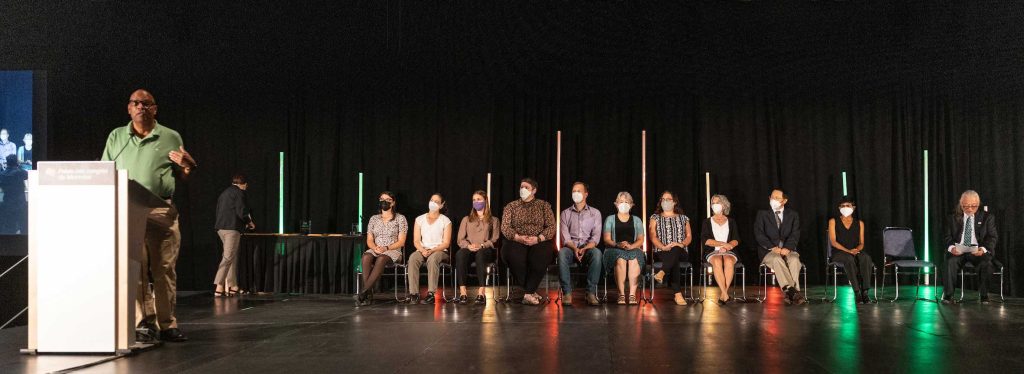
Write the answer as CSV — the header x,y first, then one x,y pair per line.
x,y
154,156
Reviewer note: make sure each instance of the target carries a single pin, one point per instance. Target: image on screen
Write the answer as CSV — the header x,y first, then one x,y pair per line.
x,y
18,150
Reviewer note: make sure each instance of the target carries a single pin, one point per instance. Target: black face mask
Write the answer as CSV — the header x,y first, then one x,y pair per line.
x,y
385,205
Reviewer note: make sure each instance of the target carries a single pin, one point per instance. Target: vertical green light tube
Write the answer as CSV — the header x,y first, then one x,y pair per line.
x,y
927,247
845,191
280,193
359,220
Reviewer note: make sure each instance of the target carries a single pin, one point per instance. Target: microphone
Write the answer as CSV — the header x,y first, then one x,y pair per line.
x,y
122,150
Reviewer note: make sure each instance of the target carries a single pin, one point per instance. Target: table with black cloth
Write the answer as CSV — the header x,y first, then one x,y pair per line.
x,y
292,263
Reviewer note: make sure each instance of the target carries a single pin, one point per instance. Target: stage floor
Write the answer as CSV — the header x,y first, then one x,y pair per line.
x,y
327,334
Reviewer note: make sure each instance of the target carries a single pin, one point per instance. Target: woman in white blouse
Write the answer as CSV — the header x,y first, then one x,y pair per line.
x,y
720,238
431,235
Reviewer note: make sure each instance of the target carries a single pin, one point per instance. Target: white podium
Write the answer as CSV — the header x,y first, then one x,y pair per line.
x,y
87,224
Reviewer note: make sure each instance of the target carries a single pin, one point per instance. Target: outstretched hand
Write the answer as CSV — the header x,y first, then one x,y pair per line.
x,y
182,158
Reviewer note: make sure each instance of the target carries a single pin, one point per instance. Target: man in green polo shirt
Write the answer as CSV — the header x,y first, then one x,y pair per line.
x,y
154,156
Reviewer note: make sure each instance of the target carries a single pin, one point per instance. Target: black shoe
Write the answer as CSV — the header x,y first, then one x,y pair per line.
x,y
985,300
480,300
413,299
146,332
787,295
798,298
463,299
172,335
429,299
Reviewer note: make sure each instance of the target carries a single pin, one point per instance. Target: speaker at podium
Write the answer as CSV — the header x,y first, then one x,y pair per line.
x,y
88,225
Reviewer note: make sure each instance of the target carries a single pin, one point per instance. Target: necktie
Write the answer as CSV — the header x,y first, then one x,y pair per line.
x,y
778,219
968,230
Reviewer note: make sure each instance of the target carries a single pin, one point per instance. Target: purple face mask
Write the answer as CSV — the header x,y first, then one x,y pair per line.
x,y
479,205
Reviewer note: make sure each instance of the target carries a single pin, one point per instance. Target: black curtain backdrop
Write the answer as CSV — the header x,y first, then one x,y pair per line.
x,y
430,96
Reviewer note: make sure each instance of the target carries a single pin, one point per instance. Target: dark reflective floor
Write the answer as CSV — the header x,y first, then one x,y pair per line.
x,y
314,333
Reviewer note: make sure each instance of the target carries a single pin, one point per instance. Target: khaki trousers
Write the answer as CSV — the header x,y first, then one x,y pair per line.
x,y
433,270
787,269
162,243
226,271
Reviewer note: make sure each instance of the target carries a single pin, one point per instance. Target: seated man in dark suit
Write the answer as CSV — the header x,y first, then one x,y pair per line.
x,y
777,232
969,227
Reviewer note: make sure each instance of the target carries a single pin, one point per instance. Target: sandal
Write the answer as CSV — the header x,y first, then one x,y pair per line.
x,y
236,291
622,300
632,300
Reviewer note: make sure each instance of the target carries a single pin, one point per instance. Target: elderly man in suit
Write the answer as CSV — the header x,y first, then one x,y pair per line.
x,y
972,228
777,232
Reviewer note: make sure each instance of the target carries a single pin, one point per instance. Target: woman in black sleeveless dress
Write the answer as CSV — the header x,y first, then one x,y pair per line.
x,y
847,236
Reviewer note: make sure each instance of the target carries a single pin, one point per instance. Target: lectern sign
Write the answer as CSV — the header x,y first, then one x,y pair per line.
x,y
76,173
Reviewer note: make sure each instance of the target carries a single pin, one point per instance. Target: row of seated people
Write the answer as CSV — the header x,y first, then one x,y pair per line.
x,y
616,243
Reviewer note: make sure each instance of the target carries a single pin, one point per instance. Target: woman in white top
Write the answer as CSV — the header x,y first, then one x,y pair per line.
x,y
431,234
720,238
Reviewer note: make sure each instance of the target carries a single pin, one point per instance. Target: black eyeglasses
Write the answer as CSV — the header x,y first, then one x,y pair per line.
x,y
145,104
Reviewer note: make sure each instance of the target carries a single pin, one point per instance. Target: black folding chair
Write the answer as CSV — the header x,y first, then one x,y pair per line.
x,y
900,253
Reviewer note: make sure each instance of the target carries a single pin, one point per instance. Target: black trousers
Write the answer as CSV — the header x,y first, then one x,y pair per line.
x,y
983,265
464,257
670,264
528,263
857,268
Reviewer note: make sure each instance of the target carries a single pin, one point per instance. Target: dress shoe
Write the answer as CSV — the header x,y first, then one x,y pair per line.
x,y
787,295
463,300
592,299
146,332
172,335
480,300
798,298
985,300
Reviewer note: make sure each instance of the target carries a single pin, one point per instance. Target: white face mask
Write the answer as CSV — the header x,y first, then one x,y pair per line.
x,y
623,207
524,193
667,205
577,197
717,208
433,206
775,204
846,211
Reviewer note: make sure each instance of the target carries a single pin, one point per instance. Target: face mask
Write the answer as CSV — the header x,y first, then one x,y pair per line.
x,y
479,205
623,207
433,206
775,204
524,194
385,205
845,211
717,208
667,205
577,197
